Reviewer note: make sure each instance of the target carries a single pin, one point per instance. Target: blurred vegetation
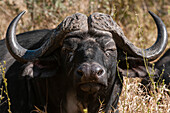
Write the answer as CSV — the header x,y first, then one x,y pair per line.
x,y
131,15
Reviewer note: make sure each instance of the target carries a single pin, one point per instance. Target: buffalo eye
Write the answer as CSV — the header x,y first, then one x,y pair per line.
x,y
68,52
109,51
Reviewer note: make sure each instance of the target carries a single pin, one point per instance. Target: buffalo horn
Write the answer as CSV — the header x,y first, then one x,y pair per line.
x,y
17,51
152,52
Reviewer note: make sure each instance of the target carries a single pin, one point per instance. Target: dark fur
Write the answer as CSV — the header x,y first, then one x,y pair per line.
x,y
164,63
58,91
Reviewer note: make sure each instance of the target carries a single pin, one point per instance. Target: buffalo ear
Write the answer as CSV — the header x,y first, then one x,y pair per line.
x,y
39,69
136,67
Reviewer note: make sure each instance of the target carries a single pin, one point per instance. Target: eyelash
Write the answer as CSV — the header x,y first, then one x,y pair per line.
x,y
108,52
67,50
69,53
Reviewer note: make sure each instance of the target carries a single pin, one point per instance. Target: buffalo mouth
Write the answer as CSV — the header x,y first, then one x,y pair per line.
x,y
91,87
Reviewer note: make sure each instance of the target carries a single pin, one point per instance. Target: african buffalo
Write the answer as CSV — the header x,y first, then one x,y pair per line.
x,y
72,67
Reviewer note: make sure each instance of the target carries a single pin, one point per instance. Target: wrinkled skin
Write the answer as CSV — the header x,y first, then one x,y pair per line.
x,y
76,66
91,48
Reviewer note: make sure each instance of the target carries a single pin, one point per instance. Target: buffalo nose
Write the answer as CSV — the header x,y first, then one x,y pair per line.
x,y
90,70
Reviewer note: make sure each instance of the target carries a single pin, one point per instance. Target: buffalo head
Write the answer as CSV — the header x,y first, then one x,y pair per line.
x,y
89,55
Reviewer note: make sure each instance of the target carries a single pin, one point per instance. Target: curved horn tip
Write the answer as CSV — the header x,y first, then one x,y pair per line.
x,y
23,12
153,14
17,18
20,15
150,12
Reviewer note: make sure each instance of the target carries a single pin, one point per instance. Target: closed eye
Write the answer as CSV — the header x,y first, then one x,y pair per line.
x,y
110,49
67,50
68,53
113,49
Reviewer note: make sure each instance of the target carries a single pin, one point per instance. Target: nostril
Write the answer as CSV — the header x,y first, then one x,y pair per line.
x,y
100,72
80,72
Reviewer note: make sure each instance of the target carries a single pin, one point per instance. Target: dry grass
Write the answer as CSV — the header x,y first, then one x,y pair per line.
x,y
131,15
134,100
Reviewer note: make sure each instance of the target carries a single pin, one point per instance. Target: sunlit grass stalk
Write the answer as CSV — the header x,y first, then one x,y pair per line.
x,y
1,89
146,67
127,65
145,60
5,85
1,97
